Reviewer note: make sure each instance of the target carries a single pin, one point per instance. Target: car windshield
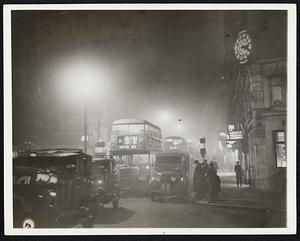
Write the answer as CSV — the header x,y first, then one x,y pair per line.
x,y
168,163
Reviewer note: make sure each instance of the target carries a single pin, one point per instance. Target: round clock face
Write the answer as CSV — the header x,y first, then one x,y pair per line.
x,y
243,47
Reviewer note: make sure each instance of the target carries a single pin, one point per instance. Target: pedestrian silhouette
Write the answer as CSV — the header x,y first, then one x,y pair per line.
x,y
238,174
214,183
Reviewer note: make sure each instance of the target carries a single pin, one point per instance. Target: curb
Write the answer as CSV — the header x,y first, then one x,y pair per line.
x,y
234,206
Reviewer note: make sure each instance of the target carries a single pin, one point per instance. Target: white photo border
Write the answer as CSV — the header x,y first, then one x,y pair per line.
x,y
291,122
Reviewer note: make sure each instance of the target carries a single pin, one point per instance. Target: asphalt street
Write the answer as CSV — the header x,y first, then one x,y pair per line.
x,y
140,212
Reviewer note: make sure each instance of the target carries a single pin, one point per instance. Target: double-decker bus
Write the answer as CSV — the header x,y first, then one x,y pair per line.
x,y
133,143
100,148
175,143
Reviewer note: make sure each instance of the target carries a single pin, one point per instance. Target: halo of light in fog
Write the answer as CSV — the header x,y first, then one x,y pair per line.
x,y
82,78
164,117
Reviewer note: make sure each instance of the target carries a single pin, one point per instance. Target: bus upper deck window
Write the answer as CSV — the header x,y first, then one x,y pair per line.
x,y
120,129
178,141
136,128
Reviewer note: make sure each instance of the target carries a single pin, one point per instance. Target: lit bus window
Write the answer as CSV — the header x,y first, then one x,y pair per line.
x,y
120,129
134,136
135,129
178,141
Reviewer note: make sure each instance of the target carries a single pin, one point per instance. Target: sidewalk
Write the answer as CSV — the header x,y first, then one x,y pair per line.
x,y
247,198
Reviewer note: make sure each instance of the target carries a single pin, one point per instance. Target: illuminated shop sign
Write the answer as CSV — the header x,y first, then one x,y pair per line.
x,y
235,135
232,134
127,142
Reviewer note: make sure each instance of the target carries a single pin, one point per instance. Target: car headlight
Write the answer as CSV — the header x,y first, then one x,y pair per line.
x,y
52,194
99,182
173,179
155,179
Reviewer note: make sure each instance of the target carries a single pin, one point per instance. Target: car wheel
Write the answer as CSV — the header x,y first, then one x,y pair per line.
x,y
115,203
88,223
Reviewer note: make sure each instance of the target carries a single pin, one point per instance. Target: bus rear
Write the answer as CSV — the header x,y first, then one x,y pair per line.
x,y
133,143
175,144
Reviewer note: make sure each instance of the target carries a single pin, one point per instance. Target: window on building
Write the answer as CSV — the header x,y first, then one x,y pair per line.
x,y
276,94
280,149
277,91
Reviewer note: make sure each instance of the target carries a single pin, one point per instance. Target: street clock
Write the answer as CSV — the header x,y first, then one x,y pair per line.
x,y
242,47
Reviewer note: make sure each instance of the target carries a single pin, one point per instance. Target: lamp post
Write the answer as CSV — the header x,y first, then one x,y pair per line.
x,y
81,79
85,127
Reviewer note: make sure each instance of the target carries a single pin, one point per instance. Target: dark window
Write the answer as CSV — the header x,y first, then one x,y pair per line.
x,y
280,149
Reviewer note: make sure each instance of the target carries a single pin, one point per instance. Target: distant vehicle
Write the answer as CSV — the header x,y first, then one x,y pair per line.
x,y
171,177
105,182
175,143
193,150
134,141
50,188
100,149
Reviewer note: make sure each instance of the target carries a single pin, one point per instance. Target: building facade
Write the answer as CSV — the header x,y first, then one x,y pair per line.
x,y
257,87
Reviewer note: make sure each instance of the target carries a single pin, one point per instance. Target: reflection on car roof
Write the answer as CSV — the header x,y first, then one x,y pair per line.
x,y
128,168
169,154
57,152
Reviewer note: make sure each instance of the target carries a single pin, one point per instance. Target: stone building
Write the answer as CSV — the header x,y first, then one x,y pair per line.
x,y
257,88
69,131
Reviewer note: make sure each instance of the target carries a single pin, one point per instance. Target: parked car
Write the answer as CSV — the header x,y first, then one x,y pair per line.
x,y
52,188
105,185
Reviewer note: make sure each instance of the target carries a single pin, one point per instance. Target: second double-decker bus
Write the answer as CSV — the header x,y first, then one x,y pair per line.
x,y
100,148
175,143
133,143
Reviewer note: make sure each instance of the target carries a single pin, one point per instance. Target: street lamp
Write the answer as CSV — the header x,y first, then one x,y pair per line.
x,y
81,79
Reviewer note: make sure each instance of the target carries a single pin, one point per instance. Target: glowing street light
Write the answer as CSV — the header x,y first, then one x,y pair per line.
x,y
80,80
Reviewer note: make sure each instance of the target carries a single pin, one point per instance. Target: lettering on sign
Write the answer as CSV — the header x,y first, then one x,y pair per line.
x,y
235,135
230,127
229,143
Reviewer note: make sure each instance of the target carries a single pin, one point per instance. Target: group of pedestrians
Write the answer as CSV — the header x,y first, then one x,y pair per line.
x,y
206,180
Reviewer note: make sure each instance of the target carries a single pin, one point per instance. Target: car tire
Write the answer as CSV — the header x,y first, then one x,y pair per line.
x,y
88,223
115,203
93,207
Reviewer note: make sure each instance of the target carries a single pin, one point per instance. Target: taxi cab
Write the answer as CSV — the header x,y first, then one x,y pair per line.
x,y
52,188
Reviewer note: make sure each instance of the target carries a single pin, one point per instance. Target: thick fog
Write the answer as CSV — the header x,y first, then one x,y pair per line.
x,y
162,66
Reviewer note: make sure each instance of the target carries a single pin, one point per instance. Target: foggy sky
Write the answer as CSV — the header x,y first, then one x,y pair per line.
x,y
154,61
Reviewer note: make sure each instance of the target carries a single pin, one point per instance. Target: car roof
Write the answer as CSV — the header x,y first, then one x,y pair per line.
x,y
52,153
171,153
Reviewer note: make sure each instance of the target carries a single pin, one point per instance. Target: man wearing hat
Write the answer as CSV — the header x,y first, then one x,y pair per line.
x,y
196,180
238,174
